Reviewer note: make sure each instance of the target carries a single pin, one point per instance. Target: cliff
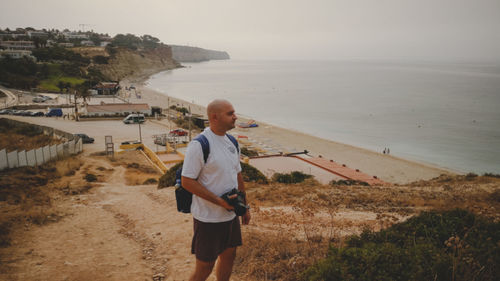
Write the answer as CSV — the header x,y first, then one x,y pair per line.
x,y
123,62
126,62
195,54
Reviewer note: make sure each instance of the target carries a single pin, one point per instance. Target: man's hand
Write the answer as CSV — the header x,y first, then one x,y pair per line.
x,y
223,203
245,219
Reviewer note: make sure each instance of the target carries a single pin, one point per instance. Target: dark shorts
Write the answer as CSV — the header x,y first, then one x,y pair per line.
x,y
211,239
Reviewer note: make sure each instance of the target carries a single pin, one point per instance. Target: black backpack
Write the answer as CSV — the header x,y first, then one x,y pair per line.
x,y
183,197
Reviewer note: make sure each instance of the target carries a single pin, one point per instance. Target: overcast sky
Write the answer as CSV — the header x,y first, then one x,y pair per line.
x,y
285,29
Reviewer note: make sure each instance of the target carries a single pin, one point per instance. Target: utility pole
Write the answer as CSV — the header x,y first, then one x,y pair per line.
x,y
140,135
168,114
76,108
189,123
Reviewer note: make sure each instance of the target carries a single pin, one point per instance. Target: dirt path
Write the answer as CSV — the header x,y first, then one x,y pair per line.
x,y
114,232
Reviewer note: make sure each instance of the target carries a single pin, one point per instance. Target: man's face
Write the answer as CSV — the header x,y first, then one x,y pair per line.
x,y
227,117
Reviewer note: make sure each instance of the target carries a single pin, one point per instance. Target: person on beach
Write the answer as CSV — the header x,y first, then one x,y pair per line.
x,y
217,230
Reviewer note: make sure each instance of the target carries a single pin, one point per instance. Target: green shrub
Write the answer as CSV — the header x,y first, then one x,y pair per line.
x,y
470,176
451,245
491,175
100,59
150,181
248,152
168,179
348,182
182,110
20,128
90,177
251,174
184,123
293,177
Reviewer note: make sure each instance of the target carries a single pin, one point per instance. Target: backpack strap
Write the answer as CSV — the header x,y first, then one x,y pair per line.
x,y
234,141
205,146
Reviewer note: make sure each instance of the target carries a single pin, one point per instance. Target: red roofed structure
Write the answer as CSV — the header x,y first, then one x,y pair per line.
x,y
107,88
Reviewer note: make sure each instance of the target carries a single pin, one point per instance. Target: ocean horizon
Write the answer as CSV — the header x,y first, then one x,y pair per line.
x,y
443,114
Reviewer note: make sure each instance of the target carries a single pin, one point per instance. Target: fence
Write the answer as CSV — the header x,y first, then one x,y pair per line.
x,y
39,156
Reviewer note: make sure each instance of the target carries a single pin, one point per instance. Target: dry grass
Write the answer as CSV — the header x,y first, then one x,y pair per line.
x,y
276,256
477,194
23,137
31,195
293,224
139,169
12,141
27,195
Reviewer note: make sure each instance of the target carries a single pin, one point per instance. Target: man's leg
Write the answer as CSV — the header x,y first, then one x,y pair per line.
x,y
202,270
225,264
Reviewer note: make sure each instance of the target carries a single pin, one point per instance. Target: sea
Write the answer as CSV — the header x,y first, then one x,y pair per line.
x,y
446,114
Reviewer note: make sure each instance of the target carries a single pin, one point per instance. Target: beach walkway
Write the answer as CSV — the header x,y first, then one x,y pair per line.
x,y
341,170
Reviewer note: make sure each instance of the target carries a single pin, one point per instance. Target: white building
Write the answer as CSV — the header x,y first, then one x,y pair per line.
x,y
17,54
13,35
66,45
17,45
87,43
73,35
37,33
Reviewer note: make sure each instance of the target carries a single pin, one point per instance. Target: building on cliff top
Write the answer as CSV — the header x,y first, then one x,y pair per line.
x,y
17,45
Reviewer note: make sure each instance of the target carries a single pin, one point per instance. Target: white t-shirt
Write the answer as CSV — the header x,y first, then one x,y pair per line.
x,y
218,174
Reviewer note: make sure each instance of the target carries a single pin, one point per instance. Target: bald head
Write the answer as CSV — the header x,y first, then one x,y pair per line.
x,y
221,116
216,107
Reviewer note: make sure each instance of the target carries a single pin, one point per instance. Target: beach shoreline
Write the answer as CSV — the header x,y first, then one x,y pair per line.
x,y
386,167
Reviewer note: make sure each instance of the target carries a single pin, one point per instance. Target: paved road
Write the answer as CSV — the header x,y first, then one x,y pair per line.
x,y
11,98
99,129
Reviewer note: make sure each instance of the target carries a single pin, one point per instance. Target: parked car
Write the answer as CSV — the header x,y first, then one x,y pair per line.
x,y
5,111
41,98
130,142
85,138
134,118
54,112
178,132
17,112
26,113
37,113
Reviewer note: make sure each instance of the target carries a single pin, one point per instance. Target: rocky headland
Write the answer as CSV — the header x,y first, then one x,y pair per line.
x,y
195,54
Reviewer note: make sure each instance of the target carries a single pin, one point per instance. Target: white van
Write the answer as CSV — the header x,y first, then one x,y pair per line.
x,y
134,118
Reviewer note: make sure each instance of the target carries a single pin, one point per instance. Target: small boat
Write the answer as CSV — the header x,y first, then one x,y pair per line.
x,y
249,124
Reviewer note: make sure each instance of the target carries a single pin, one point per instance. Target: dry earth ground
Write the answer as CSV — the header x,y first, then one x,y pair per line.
x,y
117,228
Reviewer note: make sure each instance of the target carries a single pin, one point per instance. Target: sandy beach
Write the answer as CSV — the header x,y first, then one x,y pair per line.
x,y
386,167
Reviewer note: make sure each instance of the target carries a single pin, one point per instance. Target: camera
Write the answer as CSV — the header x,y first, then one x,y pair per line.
x,y
238,202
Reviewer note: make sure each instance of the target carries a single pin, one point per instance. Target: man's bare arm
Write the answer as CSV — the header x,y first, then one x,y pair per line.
x,y
245,219
196,188
241,183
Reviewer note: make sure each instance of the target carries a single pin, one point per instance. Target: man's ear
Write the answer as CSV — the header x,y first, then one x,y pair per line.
x,y
215,116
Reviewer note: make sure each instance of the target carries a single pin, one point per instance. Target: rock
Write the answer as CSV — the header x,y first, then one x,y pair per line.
x,y
159,277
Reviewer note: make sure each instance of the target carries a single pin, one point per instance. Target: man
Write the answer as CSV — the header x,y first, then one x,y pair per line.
x,y
216,227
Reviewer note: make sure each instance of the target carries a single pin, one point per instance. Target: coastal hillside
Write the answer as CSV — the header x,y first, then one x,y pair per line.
x,y
195,54
54,60
123,62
